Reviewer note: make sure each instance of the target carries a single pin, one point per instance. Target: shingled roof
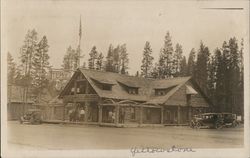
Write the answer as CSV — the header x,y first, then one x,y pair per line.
x,y
146,86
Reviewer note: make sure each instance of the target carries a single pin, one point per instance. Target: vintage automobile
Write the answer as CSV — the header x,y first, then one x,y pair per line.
x,y
230,120
207,120
33,116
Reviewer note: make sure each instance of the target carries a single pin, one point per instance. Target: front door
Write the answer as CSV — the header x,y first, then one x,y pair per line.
x,y
170,115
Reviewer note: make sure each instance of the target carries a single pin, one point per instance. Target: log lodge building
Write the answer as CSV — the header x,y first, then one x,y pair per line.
x,y
139,101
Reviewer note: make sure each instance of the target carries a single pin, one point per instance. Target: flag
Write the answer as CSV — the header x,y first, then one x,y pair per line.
x,y
80,29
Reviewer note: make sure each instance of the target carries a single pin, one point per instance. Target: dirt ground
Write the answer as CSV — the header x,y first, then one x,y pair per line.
x,y
56,136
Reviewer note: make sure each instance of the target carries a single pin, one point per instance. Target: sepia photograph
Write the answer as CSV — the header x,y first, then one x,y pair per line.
x,y
136,78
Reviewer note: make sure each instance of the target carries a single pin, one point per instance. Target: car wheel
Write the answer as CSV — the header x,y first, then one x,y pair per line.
x,y
218,125
32,121
191,124
234,124
198,125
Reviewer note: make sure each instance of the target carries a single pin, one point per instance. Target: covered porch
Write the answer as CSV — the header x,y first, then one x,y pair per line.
x,y
127,113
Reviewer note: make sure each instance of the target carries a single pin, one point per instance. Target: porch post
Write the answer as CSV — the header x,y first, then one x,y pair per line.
x,y
100,113
86,111
162,113
64,111
117,106
52,112
179,114
189,107
141,115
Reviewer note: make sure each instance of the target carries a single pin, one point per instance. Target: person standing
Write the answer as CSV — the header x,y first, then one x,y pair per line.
x,y
82,114
110,113
122,115
71,115
113,117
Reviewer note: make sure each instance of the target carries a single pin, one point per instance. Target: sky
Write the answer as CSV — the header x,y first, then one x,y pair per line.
x,y
132,22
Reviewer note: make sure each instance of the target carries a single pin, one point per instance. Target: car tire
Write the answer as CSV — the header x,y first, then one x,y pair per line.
x,y
234,124
191,124
198,125
218,125
32,121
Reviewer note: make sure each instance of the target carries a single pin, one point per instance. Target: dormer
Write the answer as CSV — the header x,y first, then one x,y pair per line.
x,y
159,92
107,87
163,91
130,88
103,84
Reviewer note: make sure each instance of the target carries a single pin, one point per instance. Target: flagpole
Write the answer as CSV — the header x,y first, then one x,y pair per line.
x,y
79,44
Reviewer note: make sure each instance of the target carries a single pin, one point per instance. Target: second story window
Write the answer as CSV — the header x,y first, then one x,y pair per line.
x,y
160,92
163,91
72,91
133,90
107,87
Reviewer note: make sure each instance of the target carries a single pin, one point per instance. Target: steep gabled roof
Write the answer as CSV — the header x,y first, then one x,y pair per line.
x,y
146,86
180,81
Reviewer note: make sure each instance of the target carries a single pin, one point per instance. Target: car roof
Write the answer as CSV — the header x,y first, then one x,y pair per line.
x,y
209,113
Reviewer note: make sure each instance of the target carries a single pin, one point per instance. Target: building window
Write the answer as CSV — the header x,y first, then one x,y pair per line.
x,y
160,92
133,90
72,91
107,87
81,87
163,91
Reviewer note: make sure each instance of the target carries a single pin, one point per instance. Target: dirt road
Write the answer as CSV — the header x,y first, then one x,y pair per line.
x,y
55,136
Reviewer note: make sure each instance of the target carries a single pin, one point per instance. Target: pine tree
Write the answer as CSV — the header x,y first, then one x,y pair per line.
x,y
147,61
220,66
183,67
177,59
92,58
166,58
123,59
240,96
116,59
99,62
11,69
201,71
241,61
211,81
27,51
191,63
26,55
228,77
155,71
40,64
234,73
110,59
70,59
